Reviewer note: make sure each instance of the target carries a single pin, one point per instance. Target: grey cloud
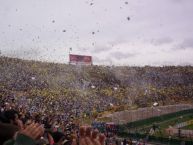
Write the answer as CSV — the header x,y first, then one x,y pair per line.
x,y
166,63
177,1
24,52
121,55
186,63
150,20
161,41
186,44
100,49
102,61
118,41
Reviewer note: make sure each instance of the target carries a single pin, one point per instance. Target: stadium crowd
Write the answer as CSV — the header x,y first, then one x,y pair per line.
x,y
122,85
19,126
29,104
51,99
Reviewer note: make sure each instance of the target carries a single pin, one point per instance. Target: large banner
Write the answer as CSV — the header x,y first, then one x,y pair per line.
x,y
80,59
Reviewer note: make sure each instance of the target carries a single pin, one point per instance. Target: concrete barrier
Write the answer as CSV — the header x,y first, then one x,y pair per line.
x,y
144,113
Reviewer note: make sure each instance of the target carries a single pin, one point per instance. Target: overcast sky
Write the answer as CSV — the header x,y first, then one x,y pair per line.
x,y
114,32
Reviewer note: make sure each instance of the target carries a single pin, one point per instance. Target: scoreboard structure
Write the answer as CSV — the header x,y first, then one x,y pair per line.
x,y
80,59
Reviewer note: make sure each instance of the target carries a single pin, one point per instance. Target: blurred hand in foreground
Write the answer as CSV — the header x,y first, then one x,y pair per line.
x,y
89,137
34,131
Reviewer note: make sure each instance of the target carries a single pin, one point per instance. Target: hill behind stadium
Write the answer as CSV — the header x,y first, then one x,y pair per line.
x,y
121,85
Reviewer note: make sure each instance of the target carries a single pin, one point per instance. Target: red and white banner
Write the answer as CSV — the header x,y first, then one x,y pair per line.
x,y
80,59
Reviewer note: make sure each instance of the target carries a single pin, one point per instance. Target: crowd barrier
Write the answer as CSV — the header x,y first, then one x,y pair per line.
x,y
124,117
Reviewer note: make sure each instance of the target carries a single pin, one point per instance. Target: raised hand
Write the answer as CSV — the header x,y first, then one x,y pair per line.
x,y
89,137
34,131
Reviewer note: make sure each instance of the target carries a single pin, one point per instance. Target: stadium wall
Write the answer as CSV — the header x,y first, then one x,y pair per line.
x,y
144,113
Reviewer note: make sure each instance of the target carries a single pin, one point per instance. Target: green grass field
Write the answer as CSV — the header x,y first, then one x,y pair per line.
x,y
165,123
189,127
162,122
140,129
176,120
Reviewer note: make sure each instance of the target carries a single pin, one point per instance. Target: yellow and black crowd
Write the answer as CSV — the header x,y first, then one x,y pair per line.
x,y
41,102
